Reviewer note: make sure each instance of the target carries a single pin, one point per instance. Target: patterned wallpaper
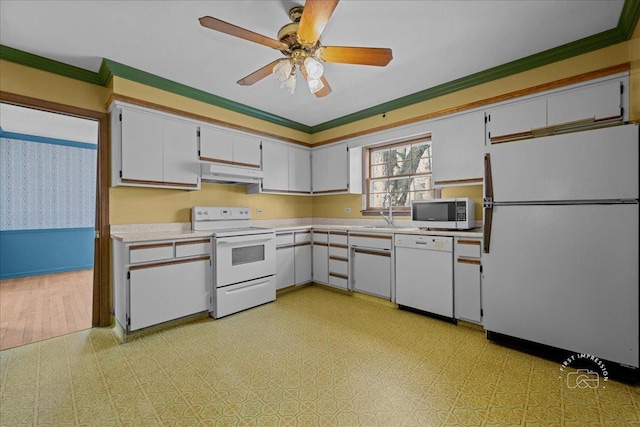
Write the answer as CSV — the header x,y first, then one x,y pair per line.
x,y
45,185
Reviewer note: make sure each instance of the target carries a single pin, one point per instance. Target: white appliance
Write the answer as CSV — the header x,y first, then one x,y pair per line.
x,y
424,273
452,214
213,172
560,262
244,264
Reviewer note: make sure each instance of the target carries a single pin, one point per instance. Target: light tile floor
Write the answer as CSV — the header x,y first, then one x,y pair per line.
x,y
314,357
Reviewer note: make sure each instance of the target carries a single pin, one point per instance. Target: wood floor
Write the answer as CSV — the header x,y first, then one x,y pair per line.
x,y
40,307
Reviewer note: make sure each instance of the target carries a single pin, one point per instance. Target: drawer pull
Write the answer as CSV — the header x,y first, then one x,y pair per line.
x,y
162,264
469,242
192,242
151,246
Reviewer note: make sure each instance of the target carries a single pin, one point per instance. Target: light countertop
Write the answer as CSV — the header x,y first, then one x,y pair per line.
x,y
172,231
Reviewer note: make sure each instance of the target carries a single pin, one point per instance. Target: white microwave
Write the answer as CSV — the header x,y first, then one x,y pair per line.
x,y
453,214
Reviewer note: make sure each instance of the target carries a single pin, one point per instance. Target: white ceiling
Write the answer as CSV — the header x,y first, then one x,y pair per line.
x,y
433,42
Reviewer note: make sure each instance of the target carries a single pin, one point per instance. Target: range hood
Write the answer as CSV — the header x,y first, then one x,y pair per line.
x,y
212,172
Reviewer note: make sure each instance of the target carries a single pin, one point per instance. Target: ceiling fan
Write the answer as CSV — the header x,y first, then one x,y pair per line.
x,y
299,42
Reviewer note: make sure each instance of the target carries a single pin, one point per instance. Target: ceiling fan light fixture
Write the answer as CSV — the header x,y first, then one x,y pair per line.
x,y
282,70
315,85
314,68
290,82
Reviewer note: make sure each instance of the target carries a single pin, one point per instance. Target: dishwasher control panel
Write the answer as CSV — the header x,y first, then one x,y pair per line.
x,y
418,241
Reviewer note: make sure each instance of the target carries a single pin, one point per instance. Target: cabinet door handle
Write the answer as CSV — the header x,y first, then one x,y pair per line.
x,y
364,251
469,261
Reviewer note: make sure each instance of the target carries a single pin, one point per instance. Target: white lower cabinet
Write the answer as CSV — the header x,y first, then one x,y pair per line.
x,y
372,272
293,258
161,293
155,282
285,267
371,264
468,279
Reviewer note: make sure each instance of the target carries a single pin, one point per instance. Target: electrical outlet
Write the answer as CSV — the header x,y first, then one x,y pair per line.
x,y
347,210
259,211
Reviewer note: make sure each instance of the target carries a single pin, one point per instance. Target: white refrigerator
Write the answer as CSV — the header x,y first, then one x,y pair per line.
x,y
560,261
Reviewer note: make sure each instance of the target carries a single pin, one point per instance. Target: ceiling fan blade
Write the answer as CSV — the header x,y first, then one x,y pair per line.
x,y
314,19
258,75
233,30
326,89
378,56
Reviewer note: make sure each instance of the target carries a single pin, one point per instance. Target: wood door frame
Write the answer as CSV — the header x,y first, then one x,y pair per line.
x,y
101,310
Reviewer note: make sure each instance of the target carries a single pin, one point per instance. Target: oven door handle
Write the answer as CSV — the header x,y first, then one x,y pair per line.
x,y
245,239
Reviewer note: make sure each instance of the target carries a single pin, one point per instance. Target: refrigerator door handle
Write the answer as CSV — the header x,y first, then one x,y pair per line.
x,y
487,203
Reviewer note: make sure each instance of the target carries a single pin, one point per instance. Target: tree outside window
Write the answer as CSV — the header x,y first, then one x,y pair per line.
x,y
401,169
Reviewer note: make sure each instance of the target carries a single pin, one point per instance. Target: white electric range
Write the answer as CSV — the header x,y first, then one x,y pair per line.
x,y
244,266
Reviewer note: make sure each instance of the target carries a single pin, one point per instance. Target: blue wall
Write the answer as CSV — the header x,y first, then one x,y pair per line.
x,y
47,205
45,251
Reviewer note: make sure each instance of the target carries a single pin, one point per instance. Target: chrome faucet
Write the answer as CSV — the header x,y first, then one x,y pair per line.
x,y
389,218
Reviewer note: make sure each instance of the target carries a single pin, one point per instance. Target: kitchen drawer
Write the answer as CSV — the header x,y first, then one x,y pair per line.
x,y
338,265
150,252
366,240
193,248
302,236
338,237
339,251
468,248
339,280
284,239
241,296
320,236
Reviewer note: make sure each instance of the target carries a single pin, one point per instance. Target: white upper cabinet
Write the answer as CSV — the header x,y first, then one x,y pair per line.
x,y
515,118
152,150
299,170
180,148
597,102
216,145
246,151
287,169
457,145
142,151
330,169
275,165
576,108
229,148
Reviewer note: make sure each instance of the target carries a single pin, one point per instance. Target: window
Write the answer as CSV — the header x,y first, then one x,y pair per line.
x,y
402,169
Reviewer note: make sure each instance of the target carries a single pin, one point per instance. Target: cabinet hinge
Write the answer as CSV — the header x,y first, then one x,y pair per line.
x,y
120,174
481,312
486,119
128,321
480,269
120,116
261,145
198,133
489,135
128,275
621,88
622,112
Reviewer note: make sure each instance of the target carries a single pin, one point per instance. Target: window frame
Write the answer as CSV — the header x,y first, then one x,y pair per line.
x,y
366,169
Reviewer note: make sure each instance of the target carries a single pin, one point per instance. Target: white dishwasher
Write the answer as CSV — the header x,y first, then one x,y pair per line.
x,y
424,273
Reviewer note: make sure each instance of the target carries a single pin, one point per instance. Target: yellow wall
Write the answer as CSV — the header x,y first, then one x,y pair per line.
x,y
133,205
26,81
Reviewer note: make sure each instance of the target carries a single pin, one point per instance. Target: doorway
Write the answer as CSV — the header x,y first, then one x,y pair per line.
x,y
62,284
